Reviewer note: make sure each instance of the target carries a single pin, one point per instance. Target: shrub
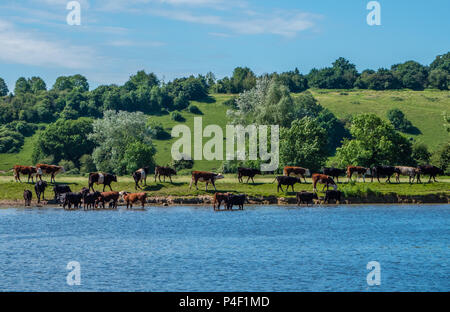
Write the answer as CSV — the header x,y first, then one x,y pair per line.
x,y
420,154
176,116
183,163
87,164
10,141
399,121
69,167
194,110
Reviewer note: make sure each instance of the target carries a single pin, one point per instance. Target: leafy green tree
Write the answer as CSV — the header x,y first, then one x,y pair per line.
x,y
342,75
243,79
420,154
22,86
383,79
411,74
398,120
442,158
87,164
64,139
138,155
37,84
71,82
439,79
374,142
304,144
10,141
141,79
113,133
441,62
3,88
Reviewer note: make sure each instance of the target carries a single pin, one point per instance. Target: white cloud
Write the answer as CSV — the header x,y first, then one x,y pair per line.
x,y
28,49
130,43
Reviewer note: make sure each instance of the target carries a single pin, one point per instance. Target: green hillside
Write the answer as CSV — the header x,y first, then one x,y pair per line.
x,y
423,108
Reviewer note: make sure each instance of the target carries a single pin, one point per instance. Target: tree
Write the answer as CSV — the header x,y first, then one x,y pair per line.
x,y
3,88
64,139
304,144
113,133
411,74
439,79
22,86
37,84
243,79
374,142
138,155
342,75
141,79
71,82
420,154
399,121
441,62
10,141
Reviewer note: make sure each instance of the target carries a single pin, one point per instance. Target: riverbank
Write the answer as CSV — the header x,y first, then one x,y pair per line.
x,y
263,192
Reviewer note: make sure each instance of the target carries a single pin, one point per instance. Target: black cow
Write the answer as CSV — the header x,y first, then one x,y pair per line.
x,y
59,190
306,198
140,175
383,171
236,200
27,196
247,172
39,188
101,178
333,172
72,199
286,180
165,172
90,199
433,171
336,195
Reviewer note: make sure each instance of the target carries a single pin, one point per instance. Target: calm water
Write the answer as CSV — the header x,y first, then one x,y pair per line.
x,y
195,249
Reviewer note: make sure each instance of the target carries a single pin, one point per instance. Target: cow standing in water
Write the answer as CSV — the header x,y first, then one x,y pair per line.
x,y
139,176
323,179
360,171
48,169
101,178
165,172
298,171
25,170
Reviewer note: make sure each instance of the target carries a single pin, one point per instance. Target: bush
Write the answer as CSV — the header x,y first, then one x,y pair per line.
x,y
10,141
69,167
399,121
194,110
420,154
183,163
176,116
87,164
158,130
442,158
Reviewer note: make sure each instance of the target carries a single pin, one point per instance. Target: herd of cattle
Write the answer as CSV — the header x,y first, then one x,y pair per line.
x,y
96,199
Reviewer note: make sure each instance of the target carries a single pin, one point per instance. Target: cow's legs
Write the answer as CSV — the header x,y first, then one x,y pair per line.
x,y
248,179
155,176
253,181
279,187
304,178
170,177
145,181
292,185
164,178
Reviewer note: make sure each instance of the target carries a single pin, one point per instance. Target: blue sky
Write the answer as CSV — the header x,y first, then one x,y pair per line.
x,y
175,38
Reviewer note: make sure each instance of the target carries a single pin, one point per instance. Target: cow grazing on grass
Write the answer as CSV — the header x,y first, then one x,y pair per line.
x,y
108,197
130,198
383,171
333,172
360,171
140,175
207,177
219,198
89,199
247,172
165,172
101,178
298,171
288,181
306,198
39,188
433,171
48,169
236,200
406,171
27,196
323,179
59,190
74,199
333,195
25,170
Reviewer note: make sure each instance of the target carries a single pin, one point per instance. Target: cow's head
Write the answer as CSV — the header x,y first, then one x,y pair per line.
x,y
114,178
123,194
61,169
173,171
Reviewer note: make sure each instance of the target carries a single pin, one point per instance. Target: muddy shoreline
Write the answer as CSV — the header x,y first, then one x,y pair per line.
x,y
205,200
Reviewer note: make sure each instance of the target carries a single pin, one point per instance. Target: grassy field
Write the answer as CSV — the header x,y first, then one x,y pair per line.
x,y
423,108
10,190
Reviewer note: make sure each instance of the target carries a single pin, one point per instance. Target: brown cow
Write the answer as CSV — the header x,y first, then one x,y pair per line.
x,y
203,176
48,169
130,198
360,171
323,179
298,171
28,170
219,198
107,197
165,172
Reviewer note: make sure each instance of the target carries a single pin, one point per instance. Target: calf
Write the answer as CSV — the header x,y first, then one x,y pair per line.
x,y
27,196
360,171
247,172
139,176
298,171
236,200
286,180
207,177
406,171
383,171
306,198
101,178
333,172
165,172
130,199
336,195
26,170
323,179
39,188
107,197
219,198
72,199
48,169
59,190
433,171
